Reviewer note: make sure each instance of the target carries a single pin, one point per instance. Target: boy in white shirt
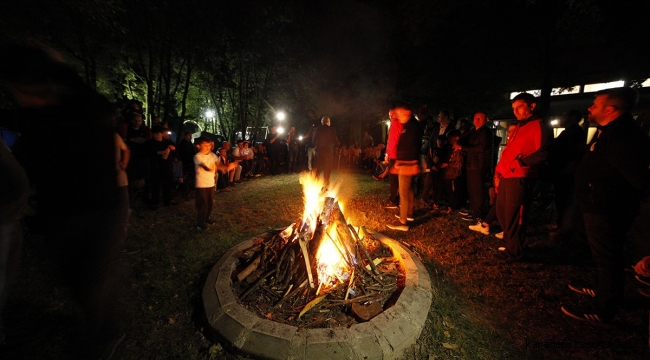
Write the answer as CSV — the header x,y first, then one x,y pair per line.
x,y
205,165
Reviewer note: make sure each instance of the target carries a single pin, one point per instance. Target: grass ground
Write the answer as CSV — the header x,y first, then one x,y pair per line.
x,y
482,308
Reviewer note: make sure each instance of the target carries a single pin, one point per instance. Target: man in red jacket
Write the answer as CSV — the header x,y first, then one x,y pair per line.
x,y
518,171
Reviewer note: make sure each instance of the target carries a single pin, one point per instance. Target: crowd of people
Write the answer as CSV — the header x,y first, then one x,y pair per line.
x,y
83,196
599,187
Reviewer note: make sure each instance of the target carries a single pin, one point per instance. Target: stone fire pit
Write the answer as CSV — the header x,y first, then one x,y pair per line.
x,y
385,336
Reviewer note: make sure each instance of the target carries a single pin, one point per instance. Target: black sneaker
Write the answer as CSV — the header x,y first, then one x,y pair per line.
x,y
583,290
398,226
390,205
584,314
470,217
463,212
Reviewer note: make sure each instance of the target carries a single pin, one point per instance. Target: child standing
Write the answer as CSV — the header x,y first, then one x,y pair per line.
x,y
453,171
205,165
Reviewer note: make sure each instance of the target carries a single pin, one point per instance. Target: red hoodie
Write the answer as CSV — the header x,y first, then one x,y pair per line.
x,y
525,150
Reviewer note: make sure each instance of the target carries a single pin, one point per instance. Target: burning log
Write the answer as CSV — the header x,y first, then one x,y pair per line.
x,y
326,253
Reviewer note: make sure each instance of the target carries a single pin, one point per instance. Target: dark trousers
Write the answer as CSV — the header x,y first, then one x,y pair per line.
x,y
607,235
88,249
393,180
438,179
476,191
512,206
14,189
492,213
451,186
274,158
427,186
293,159
161,178
203,202
324,163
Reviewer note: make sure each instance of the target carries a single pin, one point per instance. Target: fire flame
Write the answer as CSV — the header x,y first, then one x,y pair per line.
x,y
331,264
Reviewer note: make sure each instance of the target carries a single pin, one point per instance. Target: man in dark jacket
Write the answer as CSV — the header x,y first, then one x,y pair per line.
x,y
406,165
323,140
611,179
478,150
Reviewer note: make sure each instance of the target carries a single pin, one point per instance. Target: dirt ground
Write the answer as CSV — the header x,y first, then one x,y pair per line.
x,y
482,308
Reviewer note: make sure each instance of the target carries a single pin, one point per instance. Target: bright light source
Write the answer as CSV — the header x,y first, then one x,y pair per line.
x,y
169,132
603,86
280,115
388,123
280,130
299,138
496,123
209,113
554,122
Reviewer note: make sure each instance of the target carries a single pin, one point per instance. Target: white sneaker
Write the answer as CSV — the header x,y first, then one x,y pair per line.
x,y
485,230
499,235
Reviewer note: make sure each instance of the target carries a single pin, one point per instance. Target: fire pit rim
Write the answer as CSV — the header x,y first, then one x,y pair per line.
x,y
385,336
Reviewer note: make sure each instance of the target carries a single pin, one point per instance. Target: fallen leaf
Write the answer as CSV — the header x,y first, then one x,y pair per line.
x,y
447,334
216,348
172,321
311,304
450,346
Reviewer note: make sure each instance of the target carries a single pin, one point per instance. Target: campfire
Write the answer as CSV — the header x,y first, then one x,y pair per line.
x,y
319,271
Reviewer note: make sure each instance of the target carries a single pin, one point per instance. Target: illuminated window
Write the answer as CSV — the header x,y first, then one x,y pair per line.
x,y
566,91
532,92
603,86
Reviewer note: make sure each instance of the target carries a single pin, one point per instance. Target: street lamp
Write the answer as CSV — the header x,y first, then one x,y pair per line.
x,y
280,115
280,130
209,114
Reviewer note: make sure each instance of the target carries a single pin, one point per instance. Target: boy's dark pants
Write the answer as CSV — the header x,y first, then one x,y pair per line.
x,y
204,200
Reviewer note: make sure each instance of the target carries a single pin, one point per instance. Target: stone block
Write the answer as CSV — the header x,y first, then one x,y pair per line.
x,y
396,328
235,324
270,340
298,345
365,342
328,344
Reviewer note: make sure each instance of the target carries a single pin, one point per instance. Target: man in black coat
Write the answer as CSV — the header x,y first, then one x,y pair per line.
x,y
323,141
478,149
612,177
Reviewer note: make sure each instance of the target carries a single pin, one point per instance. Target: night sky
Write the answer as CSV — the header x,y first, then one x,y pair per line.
x,y
356,57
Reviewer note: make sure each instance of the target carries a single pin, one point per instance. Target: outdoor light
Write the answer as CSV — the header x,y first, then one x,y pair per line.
x,y
300,138
554,122
209,113
280,130
280,115
496,123
388,123
169,132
